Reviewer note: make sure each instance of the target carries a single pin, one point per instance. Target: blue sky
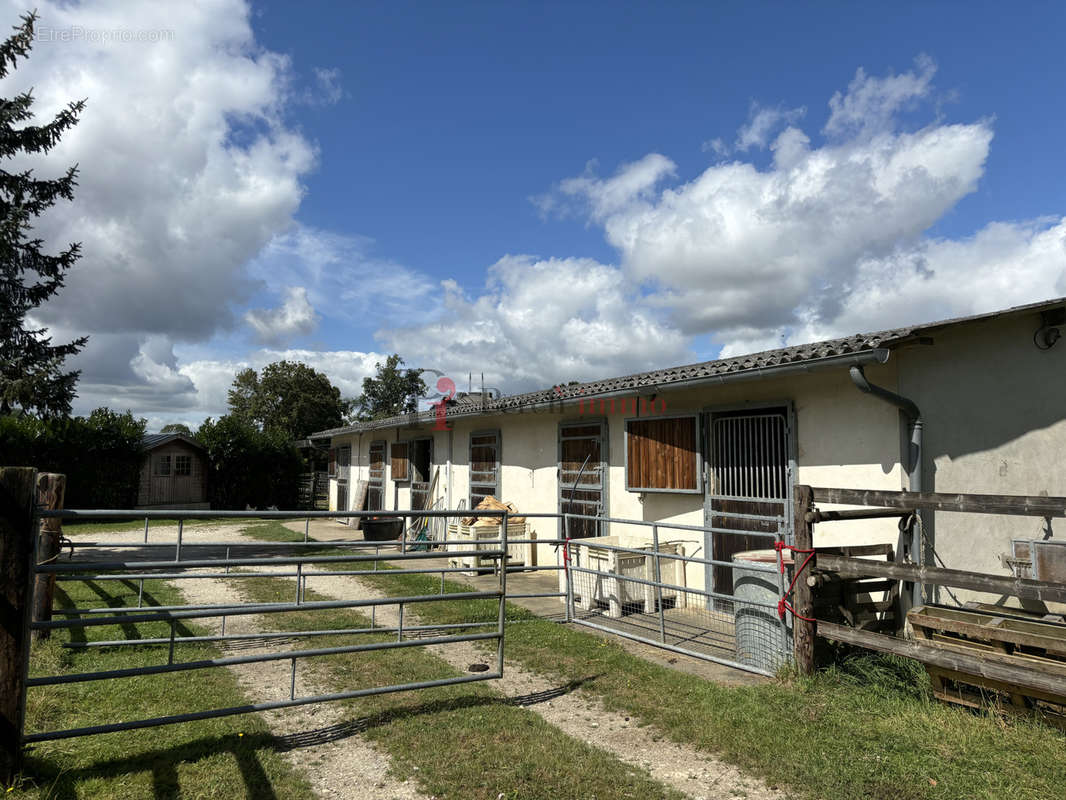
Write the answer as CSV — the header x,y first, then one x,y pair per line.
x,y
543,191
456,113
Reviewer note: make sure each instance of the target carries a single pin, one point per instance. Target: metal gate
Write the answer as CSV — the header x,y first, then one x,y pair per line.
x,y
583,476
174,557
749,485
646,582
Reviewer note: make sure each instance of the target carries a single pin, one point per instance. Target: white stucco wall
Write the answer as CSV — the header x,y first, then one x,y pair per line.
x,y
995,422
843,438
994,408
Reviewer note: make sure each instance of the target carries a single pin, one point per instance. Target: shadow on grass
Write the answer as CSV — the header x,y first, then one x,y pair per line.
x,y
343,730
65,783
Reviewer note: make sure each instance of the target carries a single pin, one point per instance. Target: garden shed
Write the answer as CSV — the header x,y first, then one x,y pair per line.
x,y
173,473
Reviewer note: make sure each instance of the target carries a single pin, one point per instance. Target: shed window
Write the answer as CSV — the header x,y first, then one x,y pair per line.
x,y
344,457
162,465
662,455
400,463
183,465
484,466
332,461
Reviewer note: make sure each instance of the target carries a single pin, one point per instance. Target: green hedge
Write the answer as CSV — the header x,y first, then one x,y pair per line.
x,y
100,454
249,467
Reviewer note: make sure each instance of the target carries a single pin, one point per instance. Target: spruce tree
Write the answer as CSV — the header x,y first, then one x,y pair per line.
x,y
31,367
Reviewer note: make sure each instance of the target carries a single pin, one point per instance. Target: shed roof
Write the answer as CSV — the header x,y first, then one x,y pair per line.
x,y
150,441
753,363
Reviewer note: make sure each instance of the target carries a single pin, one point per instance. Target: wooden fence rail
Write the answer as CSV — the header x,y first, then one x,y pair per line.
x,y
1035,681
1015,505
1024,588
848,567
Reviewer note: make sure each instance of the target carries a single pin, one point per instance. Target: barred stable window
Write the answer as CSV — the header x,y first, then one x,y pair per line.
x,y
162,465
400,463
183,465
662,454
484,466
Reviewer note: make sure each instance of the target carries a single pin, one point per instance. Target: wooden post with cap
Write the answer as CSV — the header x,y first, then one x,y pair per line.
x,y
51,489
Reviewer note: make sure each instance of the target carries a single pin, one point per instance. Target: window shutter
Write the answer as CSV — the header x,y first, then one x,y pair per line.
x,y
662,455
400,461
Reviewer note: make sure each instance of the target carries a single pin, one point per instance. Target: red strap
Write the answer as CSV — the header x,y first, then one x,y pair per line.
x,y
783,604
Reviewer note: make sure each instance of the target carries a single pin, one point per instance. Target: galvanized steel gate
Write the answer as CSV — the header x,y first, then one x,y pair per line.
x,y
640,584
648,587
174,557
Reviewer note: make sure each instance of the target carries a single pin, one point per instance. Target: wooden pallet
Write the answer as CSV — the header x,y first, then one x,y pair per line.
x,y
1004,639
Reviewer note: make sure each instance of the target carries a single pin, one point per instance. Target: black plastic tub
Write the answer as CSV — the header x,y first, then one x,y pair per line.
x,y
382,529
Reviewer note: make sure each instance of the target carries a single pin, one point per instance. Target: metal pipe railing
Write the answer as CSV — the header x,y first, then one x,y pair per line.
x,y
258,608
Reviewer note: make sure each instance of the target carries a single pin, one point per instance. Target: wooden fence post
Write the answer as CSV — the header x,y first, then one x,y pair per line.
x,y
51,489
803,632
18,493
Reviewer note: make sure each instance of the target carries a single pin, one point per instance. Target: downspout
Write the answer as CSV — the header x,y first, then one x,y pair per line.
x,y
914,461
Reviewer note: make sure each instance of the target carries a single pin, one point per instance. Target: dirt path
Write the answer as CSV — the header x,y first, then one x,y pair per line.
x,y
332,755
319,741
582,716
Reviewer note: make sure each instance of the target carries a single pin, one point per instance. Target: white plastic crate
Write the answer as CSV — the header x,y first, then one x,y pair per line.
x,y
469,538
608,585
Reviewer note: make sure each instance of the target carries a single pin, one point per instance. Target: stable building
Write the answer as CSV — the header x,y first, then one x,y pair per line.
x,y
973,404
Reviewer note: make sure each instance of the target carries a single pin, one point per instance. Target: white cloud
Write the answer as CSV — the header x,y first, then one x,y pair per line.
x,y
1003,264
188,168
629,187
343,276
539,322
830,239
753,257
293,317
327,89
169,389
870,104
762,122
716,146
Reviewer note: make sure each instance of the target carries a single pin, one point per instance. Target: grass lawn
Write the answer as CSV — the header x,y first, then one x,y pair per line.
x,y
867,729
221,758
463,742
